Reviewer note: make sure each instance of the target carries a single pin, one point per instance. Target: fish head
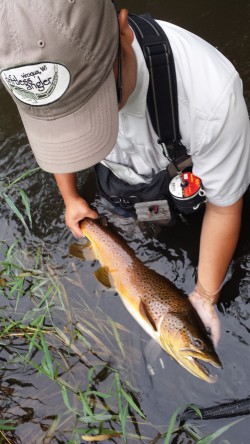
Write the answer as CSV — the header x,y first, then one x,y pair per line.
x,y
184,337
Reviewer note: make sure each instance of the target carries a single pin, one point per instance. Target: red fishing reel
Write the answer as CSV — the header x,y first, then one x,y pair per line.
x,y
187,192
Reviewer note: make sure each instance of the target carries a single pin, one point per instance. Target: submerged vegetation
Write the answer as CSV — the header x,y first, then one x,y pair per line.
x,y
7,185
63,366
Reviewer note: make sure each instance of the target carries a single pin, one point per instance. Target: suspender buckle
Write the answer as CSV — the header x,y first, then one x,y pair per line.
x,y
168,150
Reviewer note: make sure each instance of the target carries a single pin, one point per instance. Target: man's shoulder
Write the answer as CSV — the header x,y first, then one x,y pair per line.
x,y
200,69
190,46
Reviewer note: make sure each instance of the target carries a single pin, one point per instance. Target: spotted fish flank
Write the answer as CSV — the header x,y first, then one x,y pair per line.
x,y
157,305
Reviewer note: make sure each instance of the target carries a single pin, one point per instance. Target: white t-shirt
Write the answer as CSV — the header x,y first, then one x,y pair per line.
x,y
213,121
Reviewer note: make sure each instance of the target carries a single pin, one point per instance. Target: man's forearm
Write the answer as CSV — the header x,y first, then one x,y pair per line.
x,y
67,186
219,237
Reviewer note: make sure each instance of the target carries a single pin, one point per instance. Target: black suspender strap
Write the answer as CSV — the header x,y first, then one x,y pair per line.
x,y
162,93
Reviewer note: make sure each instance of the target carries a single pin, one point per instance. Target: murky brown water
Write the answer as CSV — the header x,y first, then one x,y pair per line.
x,y
32,400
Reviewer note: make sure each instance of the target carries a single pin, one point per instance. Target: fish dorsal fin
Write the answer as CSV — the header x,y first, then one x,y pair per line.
x,y
82,251
102,276
146,315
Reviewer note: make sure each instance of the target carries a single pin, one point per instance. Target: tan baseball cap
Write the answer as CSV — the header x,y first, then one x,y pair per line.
x,y
56,61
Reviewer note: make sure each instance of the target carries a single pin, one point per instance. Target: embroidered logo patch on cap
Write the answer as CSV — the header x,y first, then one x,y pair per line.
x,y
38,84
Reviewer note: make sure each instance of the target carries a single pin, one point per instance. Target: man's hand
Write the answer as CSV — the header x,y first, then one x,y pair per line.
x,y
76,210
76,207
208,314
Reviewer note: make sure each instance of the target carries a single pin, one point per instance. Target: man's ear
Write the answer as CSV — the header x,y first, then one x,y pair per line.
x,y
125,29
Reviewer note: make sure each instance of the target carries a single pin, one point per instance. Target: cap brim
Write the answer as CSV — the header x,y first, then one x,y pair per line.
x,y
78,140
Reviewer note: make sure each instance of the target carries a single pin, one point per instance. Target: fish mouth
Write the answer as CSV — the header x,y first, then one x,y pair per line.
x,y
190,360
199,369
212,358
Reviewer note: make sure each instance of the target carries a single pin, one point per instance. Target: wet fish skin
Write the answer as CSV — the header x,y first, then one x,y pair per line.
x,y
162,310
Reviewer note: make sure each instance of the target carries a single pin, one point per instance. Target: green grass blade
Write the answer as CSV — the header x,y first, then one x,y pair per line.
x,y
210,438
47,361
97,417
116,334
4,426
32,344
26,203
99,394
86,408
14,288
191,431
23,176
20,291
171,426
66,399
124,422
10,250
132,404
45,297
118,393
15,210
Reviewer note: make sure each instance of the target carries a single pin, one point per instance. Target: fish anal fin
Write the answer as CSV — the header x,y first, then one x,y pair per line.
x,y
82,251
146,315
102,275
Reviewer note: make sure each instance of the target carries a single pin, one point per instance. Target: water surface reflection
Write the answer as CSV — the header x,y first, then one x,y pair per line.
x,y
33,402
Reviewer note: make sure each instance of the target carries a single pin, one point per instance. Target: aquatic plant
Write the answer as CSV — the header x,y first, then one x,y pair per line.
x,y
7,185
191,430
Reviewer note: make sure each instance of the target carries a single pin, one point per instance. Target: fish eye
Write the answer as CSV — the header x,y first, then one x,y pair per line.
x,y
198,343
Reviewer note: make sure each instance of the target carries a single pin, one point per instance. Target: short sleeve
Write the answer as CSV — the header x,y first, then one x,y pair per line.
x,y
222,157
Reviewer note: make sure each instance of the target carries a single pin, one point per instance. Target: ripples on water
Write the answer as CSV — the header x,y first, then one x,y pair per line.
x,y
172,252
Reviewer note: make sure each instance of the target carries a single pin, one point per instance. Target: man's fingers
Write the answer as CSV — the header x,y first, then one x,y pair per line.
x,y
208,315
76,231
93,214
215,329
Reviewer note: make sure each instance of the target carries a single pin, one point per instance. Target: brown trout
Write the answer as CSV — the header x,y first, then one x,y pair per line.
x,y
161,309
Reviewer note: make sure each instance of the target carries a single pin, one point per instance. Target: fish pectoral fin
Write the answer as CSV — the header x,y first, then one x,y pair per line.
x,y
103,221
82,251
102,275
146,315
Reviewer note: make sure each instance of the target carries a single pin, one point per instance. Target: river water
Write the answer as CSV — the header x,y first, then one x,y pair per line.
x,y
32,401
